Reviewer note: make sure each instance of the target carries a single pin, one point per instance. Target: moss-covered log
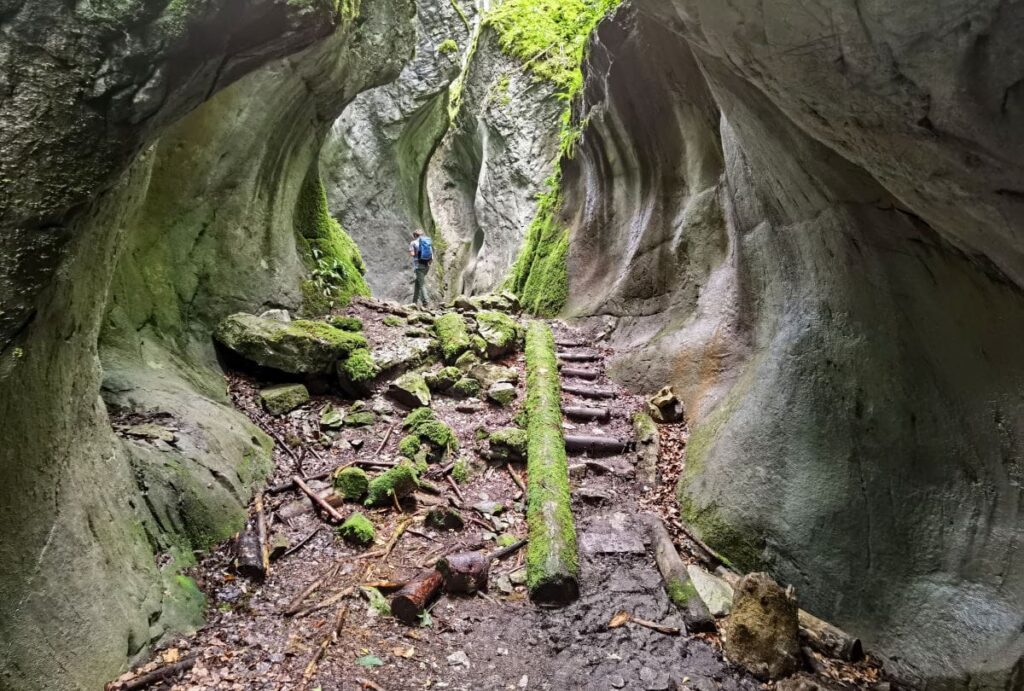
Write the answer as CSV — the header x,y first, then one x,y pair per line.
x,y
551,559
678,585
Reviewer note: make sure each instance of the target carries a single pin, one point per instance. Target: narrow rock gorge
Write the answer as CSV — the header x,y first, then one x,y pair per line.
x,y
800,225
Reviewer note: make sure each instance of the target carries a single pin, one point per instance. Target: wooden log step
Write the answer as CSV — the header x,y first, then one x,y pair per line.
x,y
410,602
595,445
588,391
577,373
552,562
580,357
584,413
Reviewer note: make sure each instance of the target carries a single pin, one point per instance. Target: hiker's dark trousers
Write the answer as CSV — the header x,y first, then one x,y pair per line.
x,y
419,292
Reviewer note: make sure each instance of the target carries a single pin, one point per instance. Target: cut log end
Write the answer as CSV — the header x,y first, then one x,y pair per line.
x,y
410,602
464,573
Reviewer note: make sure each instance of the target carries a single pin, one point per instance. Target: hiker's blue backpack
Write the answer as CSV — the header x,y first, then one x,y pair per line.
x,y
426,249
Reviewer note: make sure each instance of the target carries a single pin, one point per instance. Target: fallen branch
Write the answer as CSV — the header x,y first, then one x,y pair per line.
x,y
157,675
261,527
303,542
317,499
506,551
394,537
455,488
339,623
552,562
296,603
290,485
326,602
516,479
623,618
384,443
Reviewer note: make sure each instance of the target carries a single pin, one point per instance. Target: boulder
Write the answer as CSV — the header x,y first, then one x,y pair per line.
x,y
403,354
283,398
503,394
393,484
298,347
410,390
331,417
488,375
762,633
500,333
665,406
467,360
351,483
443,518
357,373
451,332
345,323
466,388
443,379
716,593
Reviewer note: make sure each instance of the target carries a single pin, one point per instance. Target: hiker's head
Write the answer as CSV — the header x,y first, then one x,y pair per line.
x,y
417,233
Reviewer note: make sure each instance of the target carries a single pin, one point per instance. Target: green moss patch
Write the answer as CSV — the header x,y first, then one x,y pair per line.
x,y
466,388
509,444
351,483
335,264
540,275
357,372
352,324
358,530
423,426
397,482
394,321
298,347
451,332
443,379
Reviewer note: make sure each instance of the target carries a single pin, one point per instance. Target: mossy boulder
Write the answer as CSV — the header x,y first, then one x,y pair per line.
x,y
357,373
393,321
503,394
344,323
500,333
351,483
488,375
358,530
503,301
451,332
397,482
331,417
361,418
466,388
443,379
508,444
298,347
410,390
283,398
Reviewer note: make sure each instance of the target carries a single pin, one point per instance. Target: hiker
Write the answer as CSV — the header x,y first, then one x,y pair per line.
x,y
421,249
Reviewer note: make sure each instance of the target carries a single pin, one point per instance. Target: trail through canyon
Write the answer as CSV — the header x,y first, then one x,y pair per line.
x,y
320,618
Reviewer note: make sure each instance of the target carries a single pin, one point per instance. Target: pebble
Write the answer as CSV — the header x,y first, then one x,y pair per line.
x,y
459,657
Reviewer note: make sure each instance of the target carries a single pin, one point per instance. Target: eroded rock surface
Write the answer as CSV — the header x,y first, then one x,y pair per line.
x,y
808,227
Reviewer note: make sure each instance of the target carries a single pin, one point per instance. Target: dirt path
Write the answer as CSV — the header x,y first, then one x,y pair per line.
x,y
494,641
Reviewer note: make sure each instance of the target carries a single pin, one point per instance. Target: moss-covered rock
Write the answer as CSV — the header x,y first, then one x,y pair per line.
x,y
346,323
394,321
283,398
462,471
451,332
467,360
503,394
466,388
397,482
500,333
423,426
357,373
410,390
361,418
298,347
443,379
508,444
358,530
351,483
331,417
762,633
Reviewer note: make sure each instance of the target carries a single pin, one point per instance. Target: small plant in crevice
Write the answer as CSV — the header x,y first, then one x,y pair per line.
x,y
448,47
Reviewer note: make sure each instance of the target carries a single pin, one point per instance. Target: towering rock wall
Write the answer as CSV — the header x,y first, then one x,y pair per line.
x,y
841,305
374,161
83,513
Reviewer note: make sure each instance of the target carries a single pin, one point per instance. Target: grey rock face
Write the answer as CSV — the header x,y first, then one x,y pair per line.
x,y
74,498
375,158
829,274
484,179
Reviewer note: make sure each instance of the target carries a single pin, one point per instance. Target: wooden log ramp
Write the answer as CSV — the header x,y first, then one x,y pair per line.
x,y
552,561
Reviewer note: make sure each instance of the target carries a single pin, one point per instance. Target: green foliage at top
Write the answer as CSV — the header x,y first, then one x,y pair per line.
x,y
540,276
336,266
550,36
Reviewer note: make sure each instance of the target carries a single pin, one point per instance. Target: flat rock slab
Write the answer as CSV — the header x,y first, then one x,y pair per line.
x,y
716,593
613,533
404,354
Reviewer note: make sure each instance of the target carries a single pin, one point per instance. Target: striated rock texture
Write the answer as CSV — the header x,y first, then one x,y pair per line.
x,y
374,161
810,222
483,181
84,514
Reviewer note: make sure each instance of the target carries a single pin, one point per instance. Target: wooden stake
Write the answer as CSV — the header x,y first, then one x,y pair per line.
x,y
317,499
678,585
261,526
